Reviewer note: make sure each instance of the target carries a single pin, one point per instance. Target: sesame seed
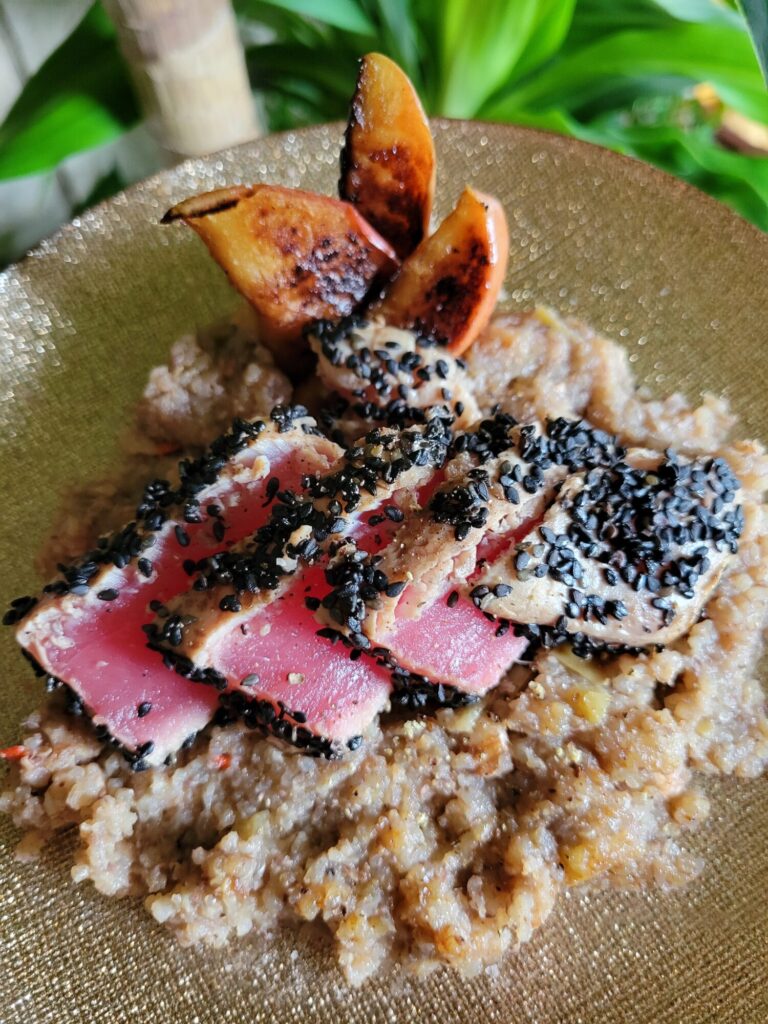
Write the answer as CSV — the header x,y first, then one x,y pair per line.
x,y
522,560
395,589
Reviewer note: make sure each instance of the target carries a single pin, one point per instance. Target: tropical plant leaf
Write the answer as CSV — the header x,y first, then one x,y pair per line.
x,y
347,15
701,11
274,67
694,155
756,13
553,22
480,51
79,98
397,34
594,20
694,52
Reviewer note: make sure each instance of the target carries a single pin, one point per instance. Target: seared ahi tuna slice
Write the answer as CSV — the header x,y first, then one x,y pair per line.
x,y
251,628
438,546
87,628
390,375
627,555
233,586
446,642
454,644
287,680
501,480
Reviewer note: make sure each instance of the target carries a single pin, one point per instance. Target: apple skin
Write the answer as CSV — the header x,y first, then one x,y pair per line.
x,y
447,288
388,159
296,256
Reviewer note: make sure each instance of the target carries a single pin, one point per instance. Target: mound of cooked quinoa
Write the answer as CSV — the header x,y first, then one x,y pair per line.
x,y
442,839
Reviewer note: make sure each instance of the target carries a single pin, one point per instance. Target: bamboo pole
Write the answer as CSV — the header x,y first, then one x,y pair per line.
x,y
189,70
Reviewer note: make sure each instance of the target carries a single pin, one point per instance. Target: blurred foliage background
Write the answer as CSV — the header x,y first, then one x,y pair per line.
x,y
675,82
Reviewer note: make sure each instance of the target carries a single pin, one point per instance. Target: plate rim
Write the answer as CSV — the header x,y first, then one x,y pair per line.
x,y
690,194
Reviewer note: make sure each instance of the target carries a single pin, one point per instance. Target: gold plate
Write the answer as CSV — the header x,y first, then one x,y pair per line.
x,y
678,278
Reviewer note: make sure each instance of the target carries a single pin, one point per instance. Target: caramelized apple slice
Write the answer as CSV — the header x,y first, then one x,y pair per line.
x,y
296,256
448,286
388,159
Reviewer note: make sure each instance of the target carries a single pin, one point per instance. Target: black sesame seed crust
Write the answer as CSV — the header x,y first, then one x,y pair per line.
x,y
514,459
159,503
644,531
385,375
303,526
418,693
281,722
20,607
584,647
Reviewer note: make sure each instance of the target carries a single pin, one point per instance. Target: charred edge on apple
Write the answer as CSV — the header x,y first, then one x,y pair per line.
x,y
216,206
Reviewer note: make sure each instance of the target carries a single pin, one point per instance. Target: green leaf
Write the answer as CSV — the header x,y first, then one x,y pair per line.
x,y
595,19
553,20
343,14
44,142
80,98
693,153
700,11
479,50
313,82
397,34
269,66
695,52
756,13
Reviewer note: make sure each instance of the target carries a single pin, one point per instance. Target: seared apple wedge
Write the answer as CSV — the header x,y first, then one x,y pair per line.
x,y
295,255
388,159
448,286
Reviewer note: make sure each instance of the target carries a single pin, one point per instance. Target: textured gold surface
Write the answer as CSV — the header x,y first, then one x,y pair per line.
x,y
675,276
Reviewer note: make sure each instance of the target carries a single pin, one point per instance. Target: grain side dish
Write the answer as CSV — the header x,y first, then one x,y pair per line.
x,y
427,612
